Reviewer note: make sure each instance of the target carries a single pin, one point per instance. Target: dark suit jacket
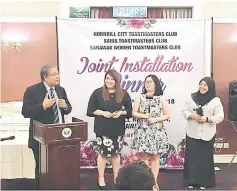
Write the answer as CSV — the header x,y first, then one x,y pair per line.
x,y
33,108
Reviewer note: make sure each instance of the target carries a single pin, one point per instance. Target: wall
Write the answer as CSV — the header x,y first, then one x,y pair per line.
x,y
23,70
30,9
225,70
0,63
19,10
51,8
196,4
41,47
219,8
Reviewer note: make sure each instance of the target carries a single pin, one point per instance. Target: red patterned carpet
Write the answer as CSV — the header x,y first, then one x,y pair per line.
x,y
226,179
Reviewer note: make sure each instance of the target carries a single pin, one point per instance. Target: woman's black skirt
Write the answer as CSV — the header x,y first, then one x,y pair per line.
x,y
109,146
199,163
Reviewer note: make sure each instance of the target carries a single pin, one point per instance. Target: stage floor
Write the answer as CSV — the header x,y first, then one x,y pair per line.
x,y
226,179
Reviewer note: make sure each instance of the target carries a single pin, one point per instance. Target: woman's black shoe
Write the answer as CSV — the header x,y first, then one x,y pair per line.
x,y
102,187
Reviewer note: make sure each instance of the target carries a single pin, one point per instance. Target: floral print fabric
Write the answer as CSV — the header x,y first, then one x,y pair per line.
x,y
152,138
108,146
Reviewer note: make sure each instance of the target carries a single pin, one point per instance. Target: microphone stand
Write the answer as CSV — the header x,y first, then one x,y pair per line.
x,y
233,124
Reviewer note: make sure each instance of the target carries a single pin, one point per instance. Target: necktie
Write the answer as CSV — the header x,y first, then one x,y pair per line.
x,y
55,108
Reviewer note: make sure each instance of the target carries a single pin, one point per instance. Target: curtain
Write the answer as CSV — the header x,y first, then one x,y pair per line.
x,y
101,12
154,13
177,13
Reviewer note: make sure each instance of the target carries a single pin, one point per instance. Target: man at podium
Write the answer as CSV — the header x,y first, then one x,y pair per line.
x,y
45,102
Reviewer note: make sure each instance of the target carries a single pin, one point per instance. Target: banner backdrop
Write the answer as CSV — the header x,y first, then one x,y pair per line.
x,y
174,50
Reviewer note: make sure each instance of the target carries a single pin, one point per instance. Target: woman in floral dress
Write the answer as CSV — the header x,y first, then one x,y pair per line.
x,y
150,137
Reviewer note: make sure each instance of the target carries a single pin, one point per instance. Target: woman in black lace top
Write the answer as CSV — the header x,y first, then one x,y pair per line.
x,y
110,105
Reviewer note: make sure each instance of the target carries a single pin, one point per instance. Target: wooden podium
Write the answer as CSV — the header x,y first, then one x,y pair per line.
x,y
60,154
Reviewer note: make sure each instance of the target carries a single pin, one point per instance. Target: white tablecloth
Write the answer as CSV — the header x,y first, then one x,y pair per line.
x,y
17,160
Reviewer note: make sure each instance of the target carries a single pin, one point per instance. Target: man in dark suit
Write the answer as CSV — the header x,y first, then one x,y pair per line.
x,y
45,102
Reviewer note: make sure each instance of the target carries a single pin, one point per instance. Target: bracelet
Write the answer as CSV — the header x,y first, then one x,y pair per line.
x,y
207,119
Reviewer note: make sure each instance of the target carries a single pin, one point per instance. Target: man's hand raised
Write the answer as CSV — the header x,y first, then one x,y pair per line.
x,y
47,103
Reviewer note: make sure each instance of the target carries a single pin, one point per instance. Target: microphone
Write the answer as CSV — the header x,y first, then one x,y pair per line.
x,y
8,138
199,111
149,98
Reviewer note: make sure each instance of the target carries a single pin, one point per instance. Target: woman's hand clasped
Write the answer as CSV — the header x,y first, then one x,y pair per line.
x,y
198,118
152,120
117,114
194,117
202,119
108,114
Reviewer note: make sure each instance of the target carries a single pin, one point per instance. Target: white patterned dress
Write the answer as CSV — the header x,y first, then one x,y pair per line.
x,y
152,138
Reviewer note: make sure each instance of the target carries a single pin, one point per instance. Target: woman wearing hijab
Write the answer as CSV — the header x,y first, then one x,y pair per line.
x,y
202,111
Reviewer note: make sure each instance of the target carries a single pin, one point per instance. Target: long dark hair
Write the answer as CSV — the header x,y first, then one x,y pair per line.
x,y
158,89
119,93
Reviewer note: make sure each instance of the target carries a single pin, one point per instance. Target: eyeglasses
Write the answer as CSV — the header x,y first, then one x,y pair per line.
x,y
149,82
54,74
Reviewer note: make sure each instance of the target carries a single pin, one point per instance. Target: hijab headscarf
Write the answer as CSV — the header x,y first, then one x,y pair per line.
x,y
203,99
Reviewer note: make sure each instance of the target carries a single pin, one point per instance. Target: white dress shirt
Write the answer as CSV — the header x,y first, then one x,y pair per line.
x,y
56,96
205,131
